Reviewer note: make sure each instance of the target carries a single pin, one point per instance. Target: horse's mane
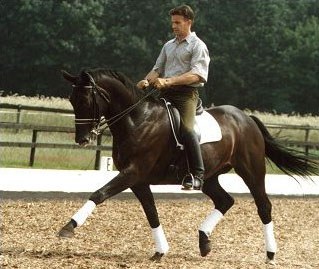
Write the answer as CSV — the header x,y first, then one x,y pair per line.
x,y
99,73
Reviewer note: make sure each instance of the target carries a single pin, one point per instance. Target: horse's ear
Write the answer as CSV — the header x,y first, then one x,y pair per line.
x,y
67,76
85,76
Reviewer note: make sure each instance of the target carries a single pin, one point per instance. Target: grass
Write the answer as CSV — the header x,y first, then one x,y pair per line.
x,y
81,159
84,159
38,101
34,117
295,119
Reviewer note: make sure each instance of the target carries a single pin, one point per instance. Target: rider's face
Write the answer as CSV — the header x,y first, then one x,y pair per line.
x,y
181,26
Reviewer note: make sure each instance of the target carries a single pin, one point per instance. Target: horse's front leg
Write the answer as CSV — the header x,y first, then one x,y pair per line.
x,y
121,182
146,198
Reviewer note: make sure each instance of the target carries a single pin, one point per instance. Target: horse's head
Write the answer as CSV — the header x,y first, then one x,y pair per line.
x,y
101,97
85,102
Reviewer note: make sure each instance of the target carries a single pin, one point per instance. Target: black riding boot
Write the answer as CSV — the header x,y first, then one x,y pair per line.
x,y
195,179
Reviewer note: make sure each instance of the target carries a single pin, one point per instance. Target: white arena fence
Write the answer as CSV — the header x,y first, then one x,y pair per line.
x,y
79,181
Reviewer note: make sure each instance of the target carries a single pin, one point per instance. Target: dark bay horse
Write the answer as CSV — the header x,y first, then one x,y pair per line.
x,y
144,149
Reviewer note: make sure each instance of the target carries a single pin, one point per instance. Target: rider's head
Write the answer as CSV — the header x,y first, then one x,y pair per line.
x,y
182,18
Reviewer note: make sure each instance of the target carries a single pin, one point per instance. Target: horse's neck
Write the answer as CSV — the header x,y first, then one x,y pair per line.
x,y
127,108
141,116
122,105
120,97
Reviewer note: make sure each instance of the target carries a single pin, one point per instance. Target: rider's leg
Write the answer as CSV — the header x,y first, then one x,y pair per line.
x,y
195,160
185,99
186,104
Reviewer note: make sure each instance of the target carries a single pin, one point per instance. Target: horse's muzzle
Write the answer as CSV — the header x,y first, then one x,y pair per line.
x,y
87,139
83,141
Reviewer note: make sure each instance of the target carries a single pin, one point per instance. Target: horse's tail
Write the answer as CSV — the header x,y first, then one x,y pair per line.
x,y
290,161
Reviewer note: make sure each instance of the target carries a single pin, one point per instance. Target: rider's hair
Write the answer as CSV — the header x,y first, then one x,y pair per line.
x,y
183,10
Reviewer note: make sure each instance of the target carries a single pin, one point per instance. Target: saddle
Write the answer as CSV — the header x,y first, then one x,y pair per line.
x,y
175,120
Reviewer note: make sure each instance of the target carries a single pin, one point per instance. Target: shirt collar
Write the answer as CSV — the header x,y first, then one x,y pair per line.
x,y
190,37
187,39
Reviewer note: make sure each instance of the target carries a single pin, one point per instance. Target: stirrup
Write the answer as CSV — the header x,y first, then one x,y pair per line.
x,y
192,183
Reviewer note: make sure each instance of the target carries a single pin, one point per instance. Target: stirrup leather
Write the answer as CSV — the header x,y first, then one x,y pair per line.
x,y
169,108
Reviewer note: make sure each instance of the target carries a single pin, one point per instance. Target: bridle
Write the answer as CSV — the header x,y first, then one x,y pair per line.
x,y
101,123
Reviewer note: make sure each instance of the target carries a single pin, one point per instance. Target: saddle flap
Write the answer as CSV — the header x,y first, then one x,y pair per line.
x,y
206,126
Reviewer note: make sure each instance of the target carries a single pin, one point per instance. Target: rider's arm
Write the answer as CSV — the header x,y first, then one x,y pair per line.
x,y
152,76
187,78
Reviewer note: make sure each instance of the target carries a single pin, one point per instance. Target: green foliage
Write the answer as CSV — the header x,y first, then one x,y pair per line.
x,y
302,65
265,54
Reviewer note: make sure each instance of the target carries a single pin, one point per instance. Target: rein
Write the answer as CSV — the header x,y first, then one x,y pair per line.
x,y
123,113
101,122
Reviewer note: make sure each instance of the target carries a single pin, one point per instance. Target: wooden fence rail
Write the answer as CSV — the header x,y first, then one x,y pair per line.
x,y
34,144
306,144
19,109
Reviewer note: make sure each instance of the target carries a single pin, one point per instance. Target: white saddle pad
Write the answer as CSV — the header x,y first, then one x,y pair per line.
x,y
208,127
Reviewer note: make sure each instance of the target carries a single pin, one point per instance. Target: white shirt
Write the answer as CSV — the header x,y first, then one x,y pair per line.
x,y
177,58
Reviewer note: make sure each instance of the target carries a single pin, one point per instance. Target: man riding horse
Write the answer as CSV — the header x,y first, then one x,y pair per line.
x,y
180,69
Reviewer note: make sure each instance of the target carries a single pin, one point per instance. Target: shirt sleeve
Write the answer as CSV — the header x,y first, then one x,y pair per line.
x,y
160,62
200,61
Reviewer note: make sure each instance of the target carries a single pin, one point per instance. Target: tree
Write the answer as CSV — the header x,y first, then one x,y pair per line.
x,y
264,53
41,37
301,66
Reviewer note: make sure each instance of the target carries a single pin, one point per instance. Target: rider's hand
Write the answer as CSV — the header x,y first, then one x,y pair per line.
x,y
162,83
142,84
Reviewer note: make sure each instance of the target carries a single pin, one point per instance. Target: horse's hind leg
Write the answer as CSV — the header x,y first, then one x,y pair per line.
x,y
254,177
223,202
146,198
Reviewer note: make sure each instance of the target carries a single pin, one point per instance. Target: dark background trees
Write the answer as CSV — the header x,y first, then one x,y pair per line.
x,y
265,54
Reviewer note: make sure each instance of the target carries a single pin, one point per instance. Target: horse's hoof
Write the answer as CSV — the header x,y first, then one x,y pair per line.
x,y
204,244
270,258
270,262
67,231
157,257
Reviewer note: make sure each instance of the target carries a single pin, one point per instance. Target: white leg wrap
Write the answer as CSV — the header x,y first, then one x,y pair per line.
x,y
211,221
271,245
161,244
84,212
